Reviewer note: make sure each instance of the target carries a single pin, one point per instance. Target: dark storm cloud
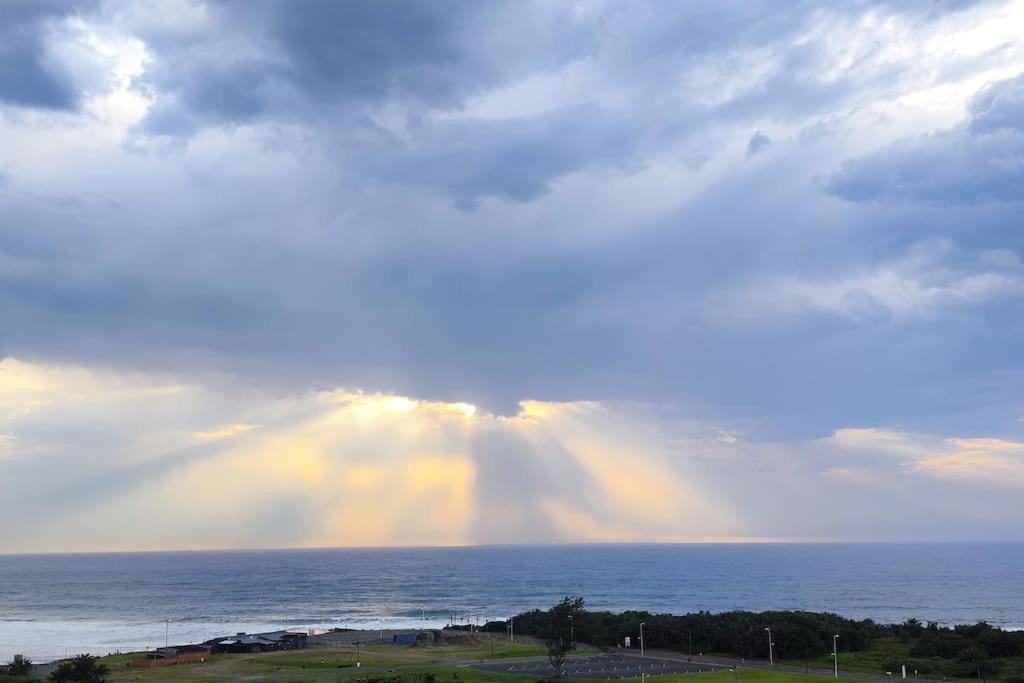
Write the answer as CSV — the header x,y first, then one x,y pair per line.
x,y
338,65
309,238
978,162
29,75
329,61
515,160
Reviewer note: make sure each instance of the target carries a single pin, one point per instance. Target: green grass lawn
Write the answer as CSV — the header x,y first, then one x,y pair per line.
x,y
328,663
318,658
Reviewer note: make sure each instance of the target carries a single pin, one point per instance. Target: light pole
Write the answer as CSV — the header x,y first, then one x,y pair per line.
x,y
835,653
572,632
771,646
167,631
642,637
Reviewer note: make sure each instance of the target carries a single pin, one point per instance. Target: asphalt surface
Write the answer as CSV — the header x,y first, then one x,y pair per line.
x,y
606,666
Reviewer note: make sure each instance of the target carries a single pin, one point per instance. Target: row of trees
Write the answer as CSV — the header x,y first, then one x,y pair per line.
x,y
797,635
964,650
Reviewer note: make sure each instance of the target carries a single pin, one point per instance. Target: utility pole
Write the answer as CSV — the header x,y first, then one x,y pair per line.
x,y
572,632
167,631
771,647
642,638
835,653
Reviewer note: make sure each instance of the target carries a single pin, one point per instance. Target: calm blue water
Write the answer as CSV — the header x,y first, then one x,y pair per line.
x,y
101,603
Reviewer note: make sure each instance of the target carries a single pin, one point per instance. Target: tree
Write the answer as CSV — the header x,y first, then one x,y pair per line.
x,y
21,666
81,669
558,635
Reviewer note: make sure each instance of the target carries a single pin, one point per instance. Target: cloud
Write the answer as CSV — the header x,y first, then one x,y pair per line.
x,y
994,462
332,60
757,144
930,281
998,106
32,73
519,200
350,468
978,162
99,460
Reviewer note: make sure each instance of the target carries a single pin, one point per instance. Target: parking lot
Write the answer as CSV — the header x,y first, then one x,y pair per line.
x,y
602,666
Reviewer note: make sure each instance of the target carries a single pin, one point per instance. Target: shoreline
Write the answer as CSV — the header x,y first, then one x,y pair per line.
x,y
46,641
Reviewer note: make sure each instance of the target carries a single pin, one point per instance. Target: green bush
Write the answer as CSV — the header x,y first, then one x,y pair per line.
x,y
81,669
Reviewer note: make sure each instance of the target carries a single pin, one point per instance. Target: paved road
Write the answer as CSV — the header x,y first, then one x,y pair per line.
x,y
606,666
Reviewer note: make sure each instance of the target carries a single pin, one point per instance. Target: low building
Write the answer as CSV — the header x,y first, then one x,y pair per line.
x,y
260,642
404,638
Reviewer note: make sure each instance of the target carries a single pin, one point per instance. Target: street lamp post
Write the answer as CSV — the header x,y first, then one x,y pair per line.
x,y
572,632
835,653
167,631
771,647
642,637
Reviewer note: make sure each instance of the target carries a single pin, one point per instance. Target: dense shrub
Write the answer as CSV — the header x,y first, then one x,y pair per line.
x,y
81,669
797,635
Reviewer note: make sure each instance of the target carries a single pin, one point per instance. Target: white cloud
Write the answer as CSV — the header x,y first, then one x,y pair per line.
x,y
920,286
204,217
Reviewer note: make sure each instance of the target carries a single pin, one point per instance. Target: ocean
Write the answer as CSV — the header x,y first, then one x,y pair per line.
x,y
52,605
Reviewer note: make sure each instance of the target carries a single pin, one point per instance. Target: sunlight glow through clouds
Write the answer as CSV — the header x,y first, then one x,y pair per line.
x,y
260,290
994,461
340,467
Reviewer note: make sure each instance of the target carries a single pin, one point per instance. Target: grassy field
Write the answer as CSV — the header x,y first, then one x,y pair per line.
x,y
197,673
319,663
318,659
446,663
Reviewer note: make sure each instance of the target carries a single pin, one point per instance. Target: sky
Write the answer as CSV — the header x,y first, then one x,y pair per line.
x,y
308,274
